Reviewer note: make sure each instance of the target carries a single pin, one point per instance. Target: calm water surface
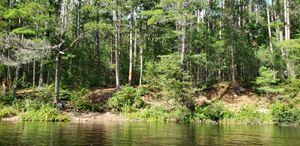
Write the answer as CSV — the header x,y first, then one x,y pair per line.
x,y
144,134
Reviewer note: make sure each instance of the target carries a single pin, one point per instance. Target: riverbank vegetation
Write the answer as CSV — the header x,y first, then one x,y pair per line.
x,y
226,61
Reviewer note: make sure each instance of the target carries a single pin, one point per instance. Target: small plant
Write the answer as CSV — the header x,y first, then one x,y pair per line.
x,y
126,99
180,114
7,112
267,81
45,113
284,114
251,115
215,112
82,105
151,113
7,99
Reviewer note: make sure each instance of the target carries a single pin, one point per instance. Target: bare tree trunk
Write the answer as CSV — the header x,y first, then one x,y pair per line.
x,y
232,65
270,34
97,44
239,13
77,25
41,78
290,64
48,77
9,5
33,73
130,50
16,80
141,66
57,75
63,17
183,41
117,45
112,50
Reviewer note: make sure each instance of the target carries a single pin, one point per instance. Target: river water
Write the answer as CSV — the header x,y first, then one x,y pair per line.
x,y
143,134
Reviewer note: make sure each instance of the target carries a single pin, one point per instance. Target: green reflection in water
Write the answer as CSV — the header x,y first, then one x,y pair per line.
x,y
144,134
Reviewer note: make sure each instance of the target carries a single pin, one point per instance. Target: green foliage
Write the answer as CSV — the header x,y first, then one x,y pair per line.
x,y
159,113
168,80
7,112
251,115
215,112
46,93
22,30
284,114
291,86
44,113
151,113
267,81
180,114
126,99
80,104
7,99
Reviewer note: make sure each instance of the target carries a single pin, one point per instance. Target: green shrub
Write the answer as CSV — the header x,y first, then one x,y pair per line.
x,y
166,79
46,93
180,114
151,113
199,114
126,100
291,86
215,112
44,113
267,81
82,105
7,112
7,99
250,114
284,114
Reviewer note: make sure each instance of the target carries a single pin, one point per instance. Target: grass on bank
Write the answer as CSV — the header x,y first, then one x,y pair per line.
x,y
127,101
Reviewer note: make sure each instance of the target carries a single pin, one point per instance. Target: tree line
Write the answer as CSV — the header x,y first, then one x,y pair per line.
x,y
108,43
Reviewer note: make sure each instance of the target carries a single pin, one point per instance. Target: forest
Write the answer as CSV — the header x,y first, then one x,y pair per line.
x,y
175,60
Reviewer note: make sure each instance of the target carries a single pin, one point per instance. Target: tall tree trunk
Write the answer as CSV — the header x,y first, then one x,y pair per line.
x,y
141,66
33,72
135,47
97,43
135,42
290,64
130,50
232,65
57,75
270,34
41,78
9,5
63,18
16,80
183,41
117,44
77,25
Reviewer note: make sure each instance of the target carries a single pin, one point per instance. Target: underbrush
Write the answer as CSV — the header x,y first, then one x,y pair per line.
x,y
285,114
126,100
158,113
251,114
6,112
44,113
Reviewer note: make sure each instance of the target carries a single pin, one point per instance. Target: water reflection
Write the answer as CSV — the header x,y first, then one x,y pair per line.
x,y
145,134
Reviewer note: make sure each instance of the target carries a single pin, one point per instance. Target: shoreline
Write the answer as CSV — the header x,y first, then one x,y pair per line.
x,y
83,117
93,117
